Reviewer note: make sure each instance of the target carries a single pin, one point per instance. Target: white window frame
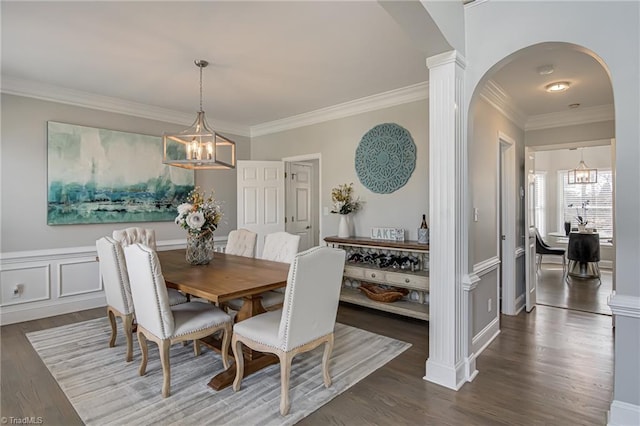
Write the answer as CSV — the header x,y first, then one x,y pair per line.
x,y
605,231
540,208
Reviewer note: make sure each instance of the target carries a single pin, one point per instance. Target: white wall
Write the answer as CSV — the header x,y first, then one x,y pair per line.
x,y
564,159
611,30
337,141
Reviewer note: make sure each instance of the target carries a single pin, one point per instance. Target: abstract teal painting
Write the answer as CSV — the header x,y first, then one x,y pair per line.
x,y
106,176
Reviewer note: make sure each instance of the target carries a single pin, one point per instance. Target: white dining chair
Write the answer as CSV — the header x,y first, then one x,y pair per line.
x,y
278,247
241,242
115,279
136,234
306,321
165,324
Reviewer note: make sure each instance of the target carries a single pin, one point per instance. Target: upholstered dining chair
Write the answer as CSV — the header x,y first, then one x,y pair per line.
x,y
278,247
134,235
241,242
165,324
306,321
115,278
543,248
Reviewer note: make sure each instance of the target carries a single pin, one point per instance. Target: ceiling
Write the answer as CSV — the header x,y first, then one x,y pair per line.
x,y
268,60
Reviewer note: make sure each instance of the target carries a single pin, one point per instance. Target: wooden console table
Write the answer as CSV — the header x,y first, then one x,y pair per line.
x,y
414,305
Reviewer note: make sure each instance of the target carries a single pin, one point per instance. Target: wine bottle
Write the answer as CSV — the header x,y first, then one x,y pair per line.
x,y
424,225
423,231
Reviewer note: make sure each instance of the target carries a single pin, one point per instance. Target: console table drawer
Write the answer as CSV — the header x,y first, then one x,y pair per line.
x,y
354,272
406,280
374,275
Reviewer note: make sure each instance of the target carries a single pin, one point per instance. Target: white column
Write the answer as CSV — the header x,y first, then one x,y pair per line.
x,y
448,257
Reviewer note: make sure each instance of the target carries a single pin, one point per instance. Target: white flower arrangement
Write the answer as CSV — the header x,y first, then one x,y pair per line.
x,y
343,201
200,215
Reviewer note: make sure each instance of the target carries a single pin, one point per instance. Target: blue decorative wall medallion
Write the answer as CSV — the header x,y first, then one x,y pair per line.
x,y
385,158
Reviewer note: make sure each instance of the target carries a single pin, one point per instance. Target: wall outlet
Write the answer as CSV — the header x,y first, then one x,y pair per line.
x,y
475,214
17,290
489,305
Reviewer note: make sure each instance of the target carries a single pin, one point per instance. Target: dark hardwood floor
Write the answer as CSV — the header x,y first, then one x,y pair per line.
x,y
587,295
550,367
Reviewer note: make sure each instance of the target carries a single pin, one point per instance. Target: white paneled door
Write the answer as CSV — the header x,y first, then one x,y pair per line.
x,y
261,198
299,219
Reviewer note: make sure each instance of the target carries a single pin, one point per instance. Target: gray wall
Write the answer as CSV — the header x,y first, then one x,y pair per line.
x,y
336,141
567,134
485,122
24,175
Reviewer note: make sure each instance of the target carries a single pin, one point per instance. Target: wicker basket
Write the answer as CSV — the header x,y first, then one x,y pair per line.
x,y
381,294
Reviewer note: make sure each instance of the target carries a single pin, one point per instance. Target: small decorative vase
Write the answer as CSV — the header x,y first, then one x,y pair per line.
x,y
343,227
581,227
567,228
200,248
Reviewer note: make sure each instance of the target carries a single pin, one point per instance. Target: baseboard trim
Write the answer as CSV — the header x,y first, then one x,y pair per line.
x,y
623,414
451,377
624,305
37,310
520,303
481,340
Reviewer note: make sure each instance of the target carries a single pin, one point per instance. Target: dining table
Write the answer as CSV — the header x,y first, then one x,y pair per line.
x,y
224,278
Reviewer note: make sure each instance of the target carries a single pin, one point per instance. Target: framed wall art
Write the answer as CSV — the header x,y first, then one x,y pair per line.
x,y
107,176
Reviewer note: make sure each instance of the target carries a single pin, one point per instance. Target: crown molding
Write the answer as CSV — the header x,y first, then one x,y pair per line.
x,y
48,92
571,117
416,92
495,95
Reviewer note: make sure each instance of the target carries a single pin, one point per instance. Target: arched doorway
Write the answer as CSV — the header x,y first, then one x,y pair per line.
x,y
511,99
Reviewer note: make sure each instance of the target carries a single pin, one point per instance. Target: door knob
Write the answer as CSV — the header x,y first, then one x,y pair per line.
x,y
308,227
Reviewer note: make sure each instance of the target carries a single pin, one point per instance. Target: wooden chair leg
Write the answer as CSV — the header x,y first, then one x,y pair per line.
x,y
226,340
164,346
196,348
285,373
114,331
236,345
127,323
328,348
142,341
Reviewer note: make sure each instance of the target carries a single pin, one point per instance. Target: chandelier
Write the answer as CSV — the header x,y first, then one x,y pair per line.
x,y
582,173
198,147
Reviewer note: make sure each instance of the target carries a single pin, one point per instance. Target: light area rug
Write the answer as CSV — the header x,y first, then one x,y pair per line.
x,y
106,390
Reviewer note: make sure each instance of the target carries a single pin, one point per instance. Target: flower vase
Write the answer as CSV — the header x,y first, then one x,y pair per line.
x,y
343,227
200,248
581,227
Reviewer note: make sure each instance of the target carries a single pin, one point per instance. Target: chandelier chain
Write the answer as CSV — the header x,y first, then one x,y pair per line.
x,y
200,66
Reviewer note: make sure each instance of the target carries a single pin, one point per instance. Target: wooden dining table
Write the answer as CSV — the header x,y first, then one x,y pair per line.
x,y
227,277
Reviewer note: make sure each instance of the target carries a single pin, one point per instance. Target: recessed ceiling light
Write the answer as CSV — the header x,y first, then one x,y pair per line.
x,y
545,70
573,106
558,86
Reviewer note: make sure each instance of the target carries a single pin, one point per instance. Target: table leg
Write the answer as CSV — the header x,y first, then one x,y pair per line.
x,y
251,306
253,360
226,378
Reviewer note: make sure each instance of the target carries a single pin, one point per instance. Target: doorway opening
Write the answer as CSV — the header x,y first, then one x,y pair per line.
x,y
559,202
302,198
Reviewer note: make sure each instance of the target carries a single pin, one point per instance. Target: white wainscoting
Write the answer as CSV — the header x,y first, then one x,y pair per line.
x,y
42,283
485,336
